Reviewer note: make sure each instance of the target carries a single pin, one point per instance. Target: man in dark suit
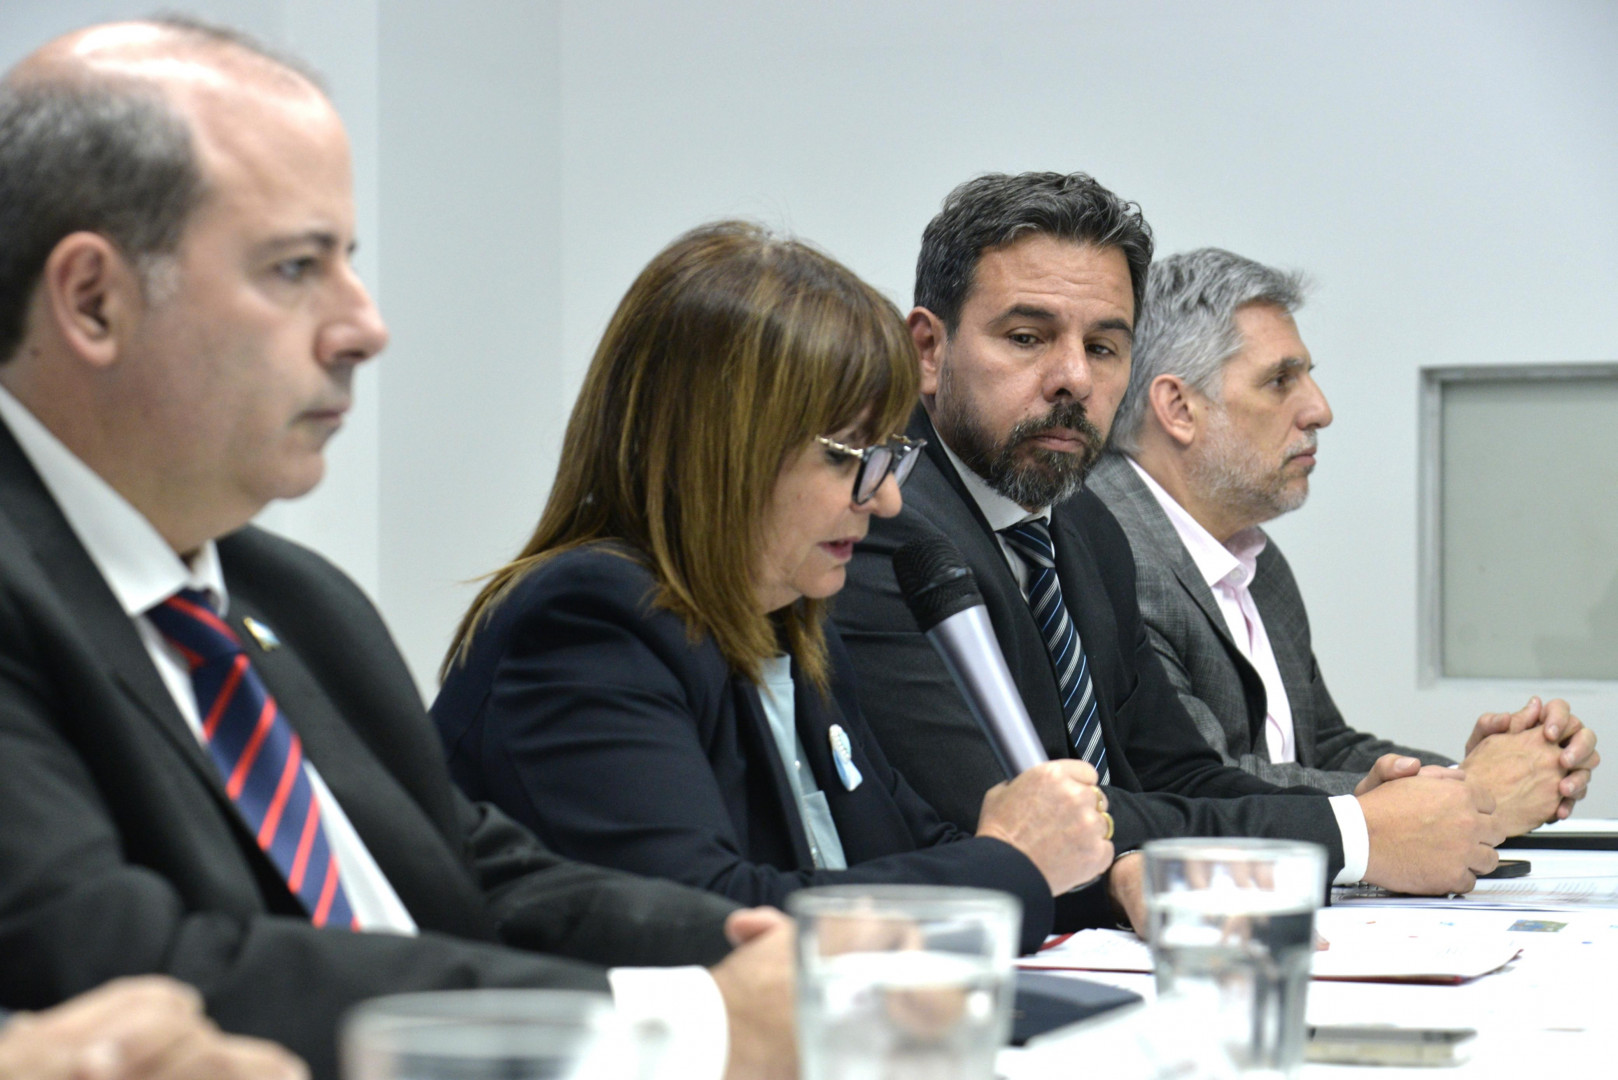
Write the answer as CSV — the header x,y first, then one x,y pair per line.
x,y
1026,293
1217,434
215,763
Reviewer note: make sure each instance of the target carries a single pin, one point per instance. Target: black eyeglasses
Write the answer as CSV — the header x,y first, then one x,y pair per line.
x,y
896,456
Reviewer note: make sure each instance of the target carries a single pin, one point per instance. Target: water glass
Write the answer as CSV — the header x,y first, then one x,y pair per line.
x,y
488,1035
903,982
1232,933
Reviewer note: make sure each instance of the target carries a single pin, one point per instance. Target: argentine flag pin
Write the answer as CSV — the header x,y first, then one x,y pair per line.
x,y
842,752
262,634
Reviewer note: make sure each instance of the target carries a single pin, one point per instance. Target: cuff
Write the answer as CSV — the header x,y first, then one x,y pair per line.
x,y
684,1007
1356,838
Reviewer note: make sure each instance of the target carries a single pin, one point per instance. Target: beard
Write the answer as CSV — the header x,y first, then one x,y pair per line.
x,y
1030,476
1234,475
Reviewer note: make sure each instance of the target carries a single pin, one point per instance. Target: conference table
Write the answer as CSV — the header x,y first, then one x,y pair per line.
x,y
1552,1011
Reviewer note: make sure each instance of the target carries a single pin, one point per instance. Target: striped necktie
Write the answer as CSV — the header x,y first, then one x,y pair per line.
x,y
257,754
1032,541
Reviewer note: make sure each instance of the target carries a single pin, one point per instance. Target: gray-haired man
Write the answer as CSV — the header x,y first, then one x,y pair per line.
x,y
1216,434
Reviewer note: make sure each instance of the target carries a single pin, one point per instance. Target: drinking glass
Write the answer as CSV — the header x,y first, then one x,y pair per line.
x,y
903,982
488,1035
1232,932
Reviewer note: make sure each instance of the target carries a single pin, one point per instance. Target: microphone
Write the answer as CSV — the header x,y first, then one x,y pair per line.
x,y
943,596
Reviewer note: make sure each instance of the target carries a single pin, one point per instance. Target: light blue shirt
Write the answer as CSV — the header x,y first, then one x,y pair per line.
x,y
780,709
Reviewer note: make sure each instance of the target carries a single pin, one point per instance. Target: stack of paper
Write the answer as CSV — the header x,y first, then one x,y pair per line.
x,y
1358,956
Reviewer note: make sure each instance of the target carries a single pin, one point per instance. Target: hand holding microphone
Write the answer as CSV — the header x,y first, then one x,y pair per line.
x,y
1051,811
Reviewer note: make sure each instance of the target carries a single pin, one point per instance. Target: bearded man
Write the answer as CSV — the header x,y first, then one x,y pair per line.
x,y
1027,293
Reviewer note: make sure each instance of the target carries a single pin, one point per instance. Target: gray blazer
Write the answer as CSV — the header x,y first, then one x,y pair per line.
x,y
1221,690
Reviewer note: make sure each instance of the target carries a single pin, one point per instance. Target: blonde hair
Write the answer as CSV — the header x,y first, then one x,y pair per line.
x,y
731,351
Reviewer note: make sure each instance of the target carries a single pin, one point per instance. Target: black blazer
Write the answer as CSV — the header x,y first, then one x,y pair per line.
x,y
120,852
1166,781
594,718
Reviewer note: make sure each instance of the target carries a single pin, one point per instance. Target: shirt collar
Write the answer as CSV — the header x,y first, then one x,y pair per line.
x,y
1232,564
1000,512
137,563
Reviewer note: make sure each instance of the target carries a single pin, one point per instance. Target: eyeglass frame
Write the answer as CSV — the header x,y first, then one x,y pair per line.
x,y
899,466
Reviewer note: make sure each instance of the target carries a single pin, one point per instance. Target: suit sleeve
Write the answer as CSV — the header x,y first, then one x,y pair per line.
x,y
1222,695
1331,781
85,896
600,729
116,859
1344,755
1338,747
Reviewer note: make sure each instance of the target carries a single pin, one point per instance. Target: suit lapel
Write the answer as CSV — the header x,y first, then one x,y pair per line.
x,y
1284,625
955,513
1150,530
756,734
96,611
1154,526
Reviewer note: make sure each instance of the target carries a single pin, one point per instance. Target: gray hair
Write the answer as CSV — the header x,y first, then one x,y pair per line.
x,y
108,156
1187,325
996,209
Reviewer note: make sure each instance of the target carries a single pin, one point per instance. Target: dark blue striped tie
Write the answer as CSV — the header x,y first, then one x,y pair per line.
x,y
1032,541
257,754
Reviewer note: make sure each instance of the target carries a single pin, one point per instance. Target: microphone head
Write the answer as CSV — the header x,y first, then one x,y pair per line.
x,y
935,580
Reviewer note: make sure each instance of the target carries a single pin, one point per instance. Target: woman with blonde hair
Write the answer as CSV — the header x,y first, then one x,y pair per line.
x,y
651,683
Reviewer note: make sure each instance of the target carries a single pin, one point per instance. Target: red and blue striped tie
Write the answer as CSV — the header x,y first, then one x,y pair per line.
x,y
257,753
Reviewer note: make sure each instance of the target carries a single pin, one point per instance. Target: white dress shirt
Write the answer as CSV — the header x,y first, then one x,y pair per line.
x,y
1002,513
142,571
778,696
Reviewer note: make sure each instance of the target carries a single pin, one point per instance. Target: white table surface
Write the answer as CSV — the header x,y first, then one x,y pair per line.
x,y
1553,1012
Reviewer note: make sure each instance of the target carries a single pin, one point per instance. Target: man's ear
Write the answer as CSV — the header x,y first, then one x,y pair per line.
x,y
90,294
1174,405
927,331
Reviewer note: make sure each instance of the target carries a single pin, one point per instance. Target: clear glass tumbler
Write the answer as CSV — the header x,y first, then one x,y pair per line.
x,y
1232,933
488,1035
903,982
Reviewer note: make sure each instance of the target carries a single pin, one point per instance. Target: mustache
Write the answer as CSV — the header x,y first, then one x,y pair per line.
x,y
1306,445
1069,414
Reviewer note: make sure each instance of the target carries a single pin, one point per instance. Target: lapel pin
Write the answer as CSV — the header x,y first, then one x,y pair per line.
x,y
262,634
842,752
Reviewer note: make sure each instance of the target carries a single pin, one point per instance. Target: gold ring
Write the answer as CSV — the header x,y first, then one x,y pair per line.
x,y
1109,825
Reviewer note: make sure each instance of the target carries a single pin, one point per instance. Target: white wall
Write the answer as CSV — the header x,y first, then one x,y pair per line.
x,y
339,40
1445,171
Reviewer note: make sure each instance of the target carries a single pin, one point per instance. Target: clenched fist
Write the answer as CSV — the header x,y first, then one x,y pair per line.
x,y
1056,815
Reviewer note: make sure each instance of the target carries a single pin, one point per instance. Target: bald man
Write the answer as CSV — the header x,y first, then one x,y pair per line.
x,y
215,764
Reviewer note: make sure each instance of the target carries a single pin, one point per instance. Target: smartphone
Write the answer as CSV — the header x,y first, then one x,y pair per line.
x,y
1509,868
1384,1044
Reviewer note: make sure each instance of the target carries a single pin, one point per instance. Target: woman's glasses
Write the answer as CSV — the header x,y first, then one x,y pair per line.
x,y
896,456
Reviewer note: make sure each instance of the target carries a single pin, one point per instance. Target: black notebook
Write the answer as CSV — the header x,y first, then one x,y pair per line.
x,y
1045,1002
